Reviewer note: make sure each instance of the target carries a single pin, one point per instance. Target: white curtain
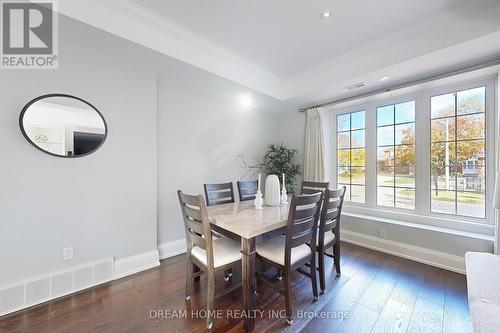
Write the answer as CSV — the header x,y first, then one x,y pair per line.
x,y
314,159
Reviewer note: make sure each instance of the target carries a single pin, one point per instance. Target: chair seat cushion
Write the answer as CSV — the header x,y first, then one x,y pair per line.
x,y
226,251
329,237
274,250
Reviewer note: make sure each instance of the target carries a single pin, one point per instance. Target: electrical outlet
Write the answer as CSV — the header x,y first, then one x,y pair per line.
x,y
68,253
382,234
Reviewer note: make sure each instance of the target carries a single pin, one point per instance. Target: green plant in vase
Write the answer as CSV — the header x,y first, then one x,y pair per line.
x,y
278,160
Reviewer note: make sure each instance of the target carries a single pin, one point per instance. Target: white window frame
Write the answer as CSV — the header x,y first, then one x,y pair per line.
x,y
422,213
335,130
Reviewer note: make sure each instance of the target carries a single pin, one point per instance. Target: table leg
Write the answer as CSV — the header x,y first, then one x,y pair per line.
x,y
248,277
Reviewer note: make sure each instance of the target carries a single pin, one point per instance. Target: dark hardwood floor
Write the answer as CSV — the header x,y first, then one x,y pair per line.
x,y
376,293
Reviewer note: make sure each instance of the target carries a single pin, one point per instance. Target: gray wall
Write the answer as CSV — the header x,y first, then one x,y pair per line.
x,y
201,132
160,112
104,204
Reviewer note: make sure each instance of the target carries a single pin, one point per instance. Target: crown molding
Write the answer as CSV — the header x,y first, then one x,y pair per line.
x,y
411,51
131,21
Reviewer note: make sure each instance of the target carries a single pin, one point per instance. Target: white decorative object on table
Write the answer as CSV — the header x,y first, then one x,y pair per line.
x,y
272,197
284,196
258,197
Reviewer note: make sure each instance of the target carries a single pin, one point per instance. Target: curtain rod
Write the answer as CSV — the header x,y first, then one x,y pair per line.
x,y
441,74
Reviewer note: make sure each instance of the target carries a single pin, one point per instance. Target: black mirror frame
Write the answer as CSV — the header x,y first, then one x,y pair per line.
x,y
26,107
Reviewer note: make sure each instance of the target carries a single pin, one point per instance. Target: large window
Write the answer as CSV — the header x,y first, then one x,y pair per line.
x,y
351,155
396,155
458,155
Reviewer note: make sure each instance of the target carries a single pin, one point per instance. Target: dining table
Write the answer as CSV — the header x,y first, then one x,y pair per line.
x,y
241,220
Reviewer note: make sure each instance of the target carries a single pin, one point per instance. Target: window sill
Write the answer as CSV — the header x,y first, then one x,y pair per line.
x,y
483,231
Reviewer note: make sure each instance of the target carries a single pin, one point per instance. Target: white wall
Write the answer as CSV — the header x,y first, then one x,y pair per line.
x,y
201,133
104,205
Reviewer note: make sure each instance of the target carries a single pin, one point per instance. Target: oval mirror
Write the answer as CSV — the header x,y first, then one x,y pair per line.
x,y
63,125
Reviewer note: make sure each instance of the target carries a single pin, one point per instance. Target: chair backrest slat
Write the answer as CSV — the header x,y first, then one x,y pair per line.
x,y
331,213
193,213
305,213
303,225
196,224
218,194
313,187
247,190
302,222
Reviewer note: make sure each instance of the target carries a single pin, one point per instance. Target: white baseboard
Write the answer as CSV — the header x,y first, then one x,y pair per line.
x,y
430,257
136,263
40,289
173,248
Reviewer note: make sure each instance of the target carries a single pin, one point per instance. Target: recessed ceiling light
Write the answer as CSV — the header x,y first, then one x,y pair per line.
x,y
326,14
384,78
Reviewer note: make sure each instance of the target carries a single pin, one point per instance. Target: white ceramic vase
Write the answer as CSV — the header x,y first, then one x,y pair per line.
x,y
272,193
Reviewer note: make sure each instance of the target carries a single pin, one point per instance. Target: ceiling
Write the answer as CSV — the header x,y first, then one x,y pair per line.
x,y
283,49
287,37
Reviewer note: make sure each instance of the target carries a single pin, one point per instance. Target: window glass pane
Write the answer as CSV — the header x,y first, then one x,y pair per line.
x,y
347,196
343,140
442,154
358,139
405,112
385,136
405,134
357,194
471,101
396,155
443,129
358,157
351,155
343,157
470,152
443,201
472,178
358,175
443,178
443,106
405,155
385,196
385,115
405,176
405,198
343,122
385,176
470,127
458,166
385,156
343,175
357,120
471,204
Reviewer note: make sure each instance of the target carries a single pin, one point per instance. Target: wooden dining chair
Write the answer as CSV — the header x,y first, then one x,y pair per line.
x,y
290,252
218,194
209,254
313,187
329,231
247,190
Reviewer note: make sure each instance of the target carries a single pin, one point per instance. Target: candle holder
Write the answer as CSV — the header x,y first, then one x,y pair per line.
x,y
284,196
258,200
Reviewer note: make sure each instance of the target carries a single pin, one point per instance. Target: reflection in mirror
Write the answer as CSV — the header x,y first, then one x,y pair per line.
x,y
63,125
